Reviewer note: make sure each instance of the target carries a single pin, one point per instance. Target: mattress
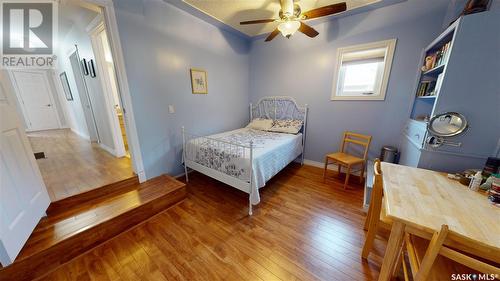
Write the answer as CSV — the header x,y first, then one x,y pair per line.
x,y
272,152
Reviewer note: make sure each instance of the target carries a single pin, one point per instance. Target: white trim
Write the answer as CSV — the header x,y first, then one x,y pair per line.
x,y
94,24
20,101
80,134
108,149
106,88
116,50
183,174
331,166
390,46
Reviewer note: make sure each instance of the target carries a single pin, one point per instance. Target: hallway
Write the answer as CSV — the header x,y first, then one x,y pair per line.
x,y
73,165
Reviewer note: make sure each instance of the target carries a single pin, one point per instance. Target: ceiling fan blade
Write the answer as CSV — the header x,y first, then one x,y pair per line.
x,y
324,11
272,35
307,30
257,21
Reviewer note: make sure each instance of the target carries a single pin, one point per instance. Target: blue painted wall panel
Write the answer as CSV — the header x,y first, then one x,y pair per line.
x,y
160,44
303,68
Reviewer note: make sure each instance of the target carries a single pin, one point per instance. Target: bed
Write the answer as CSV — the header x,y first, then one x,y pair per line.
x,y
247,158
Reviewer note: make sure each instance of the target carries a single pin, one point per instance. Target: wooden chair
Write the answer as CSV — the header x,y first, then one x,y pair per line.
x,y
376,218
343,159
432,260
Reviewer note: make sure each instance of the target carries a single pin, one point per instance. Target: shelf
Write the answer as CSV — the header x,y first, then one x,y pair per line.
x,y
426,97
445,36
435,70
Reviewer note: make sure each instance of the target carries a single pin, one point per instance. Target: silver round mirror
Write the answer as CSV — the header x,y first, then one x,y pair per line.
x,y
448,124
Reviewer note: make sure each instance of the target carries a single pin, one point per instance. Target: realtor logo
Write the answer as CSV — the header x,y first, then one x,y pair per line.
x,y
28,32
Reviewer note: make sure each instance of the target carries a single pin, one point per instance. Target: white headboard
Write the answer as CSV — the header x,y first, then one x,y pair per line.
x,y
279,107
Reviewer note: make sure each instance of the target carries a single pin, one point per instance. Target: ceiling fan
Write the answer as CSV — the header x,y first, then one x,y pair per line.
x,y
291,18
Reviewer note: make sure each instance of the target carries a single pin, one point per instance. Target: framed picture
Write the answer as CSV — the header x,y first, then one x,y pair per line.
x,y
85,68
65,85
199,81
92,69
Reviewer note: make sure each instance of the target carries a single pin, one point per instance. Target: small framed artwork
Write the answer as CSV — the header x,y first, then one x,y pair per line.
x,y
85,68
199,81
65,85
92,69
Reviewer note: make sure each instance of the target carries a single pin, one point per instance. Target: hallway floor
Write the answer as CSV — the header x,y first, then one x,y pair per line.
x,y
73,165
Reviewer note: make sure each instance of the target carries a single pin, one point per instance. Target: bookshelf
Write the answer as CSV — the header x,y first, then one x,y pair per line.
x,y
432,72
469,84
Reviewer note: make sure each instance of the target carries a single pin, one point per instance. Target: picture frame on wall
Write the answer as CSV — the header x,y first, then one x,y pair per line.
x,y
199,83
85,68
65,86
92,68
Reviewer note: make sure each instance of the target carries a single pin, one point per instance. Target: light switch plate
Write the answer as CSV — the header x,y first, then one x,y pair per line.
x,y
171,109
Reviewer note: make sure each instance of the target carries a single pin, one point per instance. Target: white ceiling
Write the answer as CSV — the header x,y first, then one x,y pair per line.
x,y
74,12
231,12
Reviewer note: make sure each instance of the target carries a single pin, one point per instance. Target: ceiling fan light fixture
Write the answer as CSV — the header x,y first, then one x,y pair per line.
x,y
288,28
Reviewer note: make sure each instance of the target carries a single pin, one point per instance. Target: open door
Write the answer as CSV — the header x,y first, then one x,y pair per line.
x,y
23,196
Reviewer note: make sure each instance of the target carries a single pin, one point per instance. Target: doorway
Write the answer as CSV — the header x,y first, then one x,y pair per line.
x,y
35,99
109,85
32,200
87,149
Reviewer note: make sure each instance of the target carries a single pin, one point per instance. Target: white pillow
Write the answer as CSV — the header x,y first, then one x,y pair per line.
x,y
260,124
289,126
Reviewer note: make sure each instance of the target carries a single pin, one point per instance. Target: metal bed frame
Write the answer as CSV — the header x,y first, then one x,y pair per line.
x,y
276,108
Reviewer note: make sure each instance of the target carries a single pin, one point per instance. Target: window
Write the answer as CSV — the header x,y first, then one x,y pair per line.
x,y
363,71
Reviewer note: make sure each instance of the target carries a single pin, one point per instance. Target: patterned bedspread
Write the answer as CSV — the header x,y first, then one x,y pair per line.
x,y
272,152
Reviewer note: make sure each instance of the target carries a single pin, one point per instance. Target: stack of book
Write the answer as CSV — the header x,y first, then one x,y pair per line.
x,y
430,87
440,56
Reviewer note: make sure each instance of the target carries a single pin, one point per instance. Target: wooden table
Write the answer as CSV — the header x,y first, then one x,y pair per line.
x,y
420,201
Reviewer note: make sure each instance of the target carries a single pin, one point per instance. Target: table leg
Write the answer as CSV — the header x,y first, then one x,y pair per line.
x,y
392,251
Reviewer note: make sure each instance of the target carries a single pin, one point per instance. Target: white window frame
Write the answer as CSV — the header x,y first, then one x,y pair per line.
x,y
389,45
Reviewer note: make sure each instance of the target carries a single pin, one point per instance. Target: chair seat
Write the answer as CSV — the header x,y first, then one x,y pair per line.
x,y
345,158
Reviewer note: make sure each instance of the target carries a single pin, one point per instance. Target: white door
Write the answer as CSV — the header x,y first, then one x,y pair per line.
x,y
23,196
36,99
84,97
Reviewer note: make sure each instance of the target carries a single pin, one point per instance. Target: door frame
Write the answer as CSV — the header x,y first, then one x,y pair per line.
x,y
95,28
20,100
111,26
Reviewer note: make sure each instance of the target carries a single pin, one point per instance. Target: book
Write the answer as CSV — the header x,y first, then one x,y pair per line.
x,y
439,57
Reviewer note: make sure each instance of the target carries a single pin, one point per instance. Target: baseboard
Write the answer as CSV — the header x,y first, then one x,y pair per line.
x,y
108,149
142,176
80,134
183,174
332,166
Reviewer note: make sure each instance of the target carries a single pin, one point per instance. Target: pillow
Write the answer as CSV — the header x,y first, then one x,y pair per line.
x,y
261,124
290,126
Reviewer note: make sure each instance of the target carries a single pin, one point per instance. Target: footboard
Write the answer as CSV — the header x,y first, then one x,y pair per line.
x,y
218,149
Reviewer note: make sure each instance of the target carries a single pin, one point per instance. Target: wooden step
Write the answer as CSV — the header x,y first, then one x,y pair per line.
x,y
64,235
92,196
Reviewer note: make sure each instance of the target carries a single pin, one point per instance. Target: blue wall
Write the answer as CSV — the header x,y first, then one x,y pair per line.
x,y
160,44
303,68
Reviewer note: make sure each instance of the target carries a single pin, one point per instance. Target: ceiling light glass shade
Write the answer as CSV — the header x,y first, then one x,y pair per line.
x,y
288,28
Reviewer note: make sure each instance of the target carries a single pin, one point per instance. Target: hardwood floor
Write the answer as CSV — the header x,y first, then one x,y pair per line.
x,y
303,229
73,165
69,232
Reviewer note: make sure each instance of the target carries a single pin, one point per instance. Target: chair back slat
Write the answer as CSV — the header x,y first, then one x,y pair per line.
x,y
355,138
